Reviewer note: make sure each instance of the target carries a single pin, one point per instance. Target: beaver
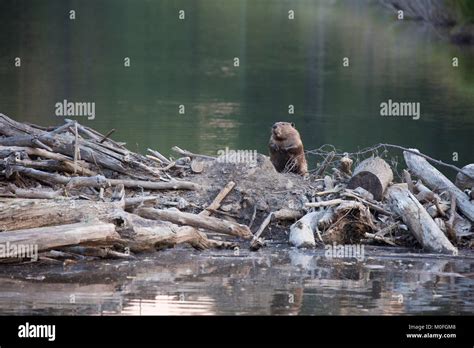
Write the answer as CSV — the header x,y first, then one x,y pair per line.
x,y
286,149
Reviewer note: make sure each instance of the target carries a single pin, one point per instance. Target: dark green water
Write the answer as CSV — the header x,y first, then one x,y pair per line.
x,y
282,62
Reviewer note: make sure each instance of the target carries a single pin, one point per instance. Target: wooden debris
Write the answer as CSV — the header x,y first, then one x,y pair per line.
x,y
464,182
71,176
373,175
216,203
199,221
322,168
435,180
302,231
197,166
45,238
428,234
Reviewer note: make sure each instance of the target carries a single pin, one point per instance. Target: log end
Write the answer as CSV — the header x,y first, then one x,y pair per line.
x,y
369,182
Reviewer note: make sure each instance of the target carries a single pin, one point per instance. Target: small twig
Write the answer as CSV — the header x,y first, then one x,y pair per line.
x,y
325,163
324,203
107,135
371,205
252,219
190,154
256,241
379,238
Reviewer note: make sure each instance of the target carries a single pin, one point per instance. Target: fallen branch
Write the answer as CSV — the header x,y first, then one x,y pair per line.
x,y
190,154
198,221
99,181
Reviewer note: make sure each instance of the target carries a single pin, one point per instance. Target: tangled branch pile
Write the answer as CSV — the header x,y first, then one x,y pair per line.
x,y
76,194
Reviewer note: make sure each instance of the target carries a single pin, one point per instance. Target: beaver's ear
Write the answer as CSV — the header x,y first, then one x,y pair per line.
x,y
293,124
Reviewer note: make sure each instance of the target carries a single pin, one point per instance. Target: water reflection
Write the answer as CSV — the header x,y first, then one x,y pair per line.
x,y
272,281
282,62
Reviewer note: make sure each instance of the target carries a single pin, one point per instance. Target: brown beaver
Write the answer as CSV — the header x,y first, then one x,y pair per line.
x,y
286,149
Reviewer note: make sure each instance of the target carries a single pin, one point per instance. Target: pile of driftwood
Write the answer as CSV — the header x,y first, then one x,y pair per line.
x,y
77,194
63,190
369,206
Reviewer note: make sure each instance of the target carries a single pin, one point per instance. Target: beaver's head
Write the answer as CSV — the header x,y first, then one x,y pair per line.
x,y
280,130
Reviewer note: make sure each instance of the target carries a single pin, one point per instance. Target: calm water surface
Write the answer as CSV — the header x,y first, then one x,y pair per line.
x,y
275,280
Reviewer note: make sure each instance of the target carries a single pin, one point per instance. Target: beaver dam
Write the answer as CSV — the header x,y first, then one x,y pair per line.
x,y
73,194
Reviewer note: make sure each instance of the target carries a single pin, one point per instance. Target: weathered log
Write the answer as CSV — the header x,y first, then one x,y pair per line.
x,y
63,162
18,214
420,223
464,182
45,238
137,233
435,180
35,193
153,185
99,181
6,151
373,175
199,221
